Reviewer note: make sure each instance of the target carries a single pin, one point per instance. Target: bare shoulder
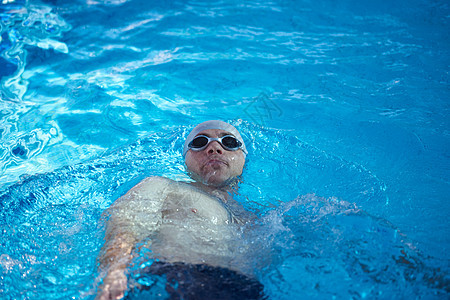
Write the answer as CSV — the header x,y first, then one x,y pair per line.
x,y
139,210
147,188
149,193
152,184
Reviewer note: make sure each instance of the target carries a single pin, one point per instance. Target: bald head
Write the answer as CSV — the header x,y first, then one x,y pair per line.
x,y
213,124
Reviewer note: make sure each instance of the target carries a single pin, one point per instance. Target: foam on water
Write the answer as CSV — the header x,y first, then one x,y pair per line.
x,y
333,249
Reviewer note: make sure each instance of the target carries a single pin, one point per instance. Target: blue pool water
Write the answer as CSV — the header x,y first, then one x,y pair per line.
x,y
344,106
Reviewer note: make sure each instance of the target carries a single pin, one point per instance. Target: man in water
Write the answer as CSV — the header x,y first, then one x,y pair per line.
x,y
191,229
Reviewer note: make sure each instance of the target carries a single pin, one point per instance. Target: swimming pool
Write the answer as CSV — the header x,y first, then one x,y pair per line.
x,y
344,107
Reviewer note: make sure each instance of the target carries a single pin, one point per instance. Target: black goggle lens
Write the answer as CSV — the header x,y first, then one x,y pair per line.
x,y
231,142
199,142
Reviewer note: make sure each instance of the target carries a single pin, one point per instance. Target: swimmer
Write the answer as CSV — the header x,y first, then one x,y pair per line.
x,y
191,229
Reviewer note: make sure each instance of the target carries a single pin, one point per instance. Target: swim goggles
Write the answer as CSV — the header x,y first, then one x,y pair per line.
x,y
228,142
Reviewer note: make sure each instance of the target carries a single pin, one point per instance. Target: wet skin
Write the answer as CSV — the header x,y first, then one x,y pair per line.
x,y
187,222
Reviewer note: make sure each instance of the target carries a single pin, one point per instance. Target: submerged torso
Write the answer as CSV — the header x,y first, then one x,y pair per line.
x,y
195,228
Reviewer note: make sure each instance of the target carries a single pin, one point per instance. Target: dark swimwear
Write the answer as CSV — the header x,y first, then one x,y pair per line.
x,y
199,282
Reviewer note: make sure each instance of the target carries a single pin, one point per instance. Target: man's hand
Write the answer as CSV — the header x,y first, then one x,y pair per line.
x,y
114,286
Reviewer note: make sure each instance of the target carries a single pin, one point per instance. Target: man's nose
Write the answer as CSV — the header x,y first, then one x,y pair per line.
x,y
214,147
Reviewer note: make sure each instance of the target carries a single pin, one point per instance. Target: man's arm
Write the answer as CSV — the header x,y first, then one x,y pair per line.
x,y
132,218
114,259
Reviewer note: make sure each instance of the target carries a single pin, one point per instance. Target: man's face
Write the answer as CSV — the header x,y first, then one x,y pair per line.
x,y
214,165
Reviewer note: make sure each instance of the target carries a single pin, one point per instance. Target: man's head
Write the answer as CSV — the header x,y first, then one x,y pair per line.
x,y
214,153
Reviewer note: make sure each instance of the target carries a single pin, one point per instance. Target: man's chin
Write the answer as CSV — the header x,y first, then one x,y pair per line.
x,y
222,182
210,179
214,179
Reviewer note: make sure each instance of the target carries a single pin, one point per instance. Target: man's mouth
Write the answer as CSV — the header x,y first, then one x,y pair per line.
x,y
215,162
